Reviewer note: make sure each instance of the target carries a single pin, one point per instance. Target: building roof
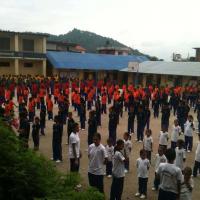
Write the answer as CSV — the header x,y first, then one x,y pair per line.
x,y
25,33
91,61
168,68
114,48
65,43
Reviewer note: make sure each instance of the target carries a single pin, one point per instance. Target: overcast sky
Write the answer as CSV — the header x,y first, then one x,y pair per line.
x,y
155,27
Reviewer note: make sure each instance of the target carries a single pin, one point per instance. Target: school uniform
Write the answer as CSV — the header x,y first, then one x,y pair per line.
x,y
196,168
92,129
57,141
180,157
74,140
127,152
131,118
142,174
35,135
70,126
176,130
186,190
170,176
140,125
112,126
163,140
158,160
110,154
148,142
188,133
82,115
97,156
118,176
42,121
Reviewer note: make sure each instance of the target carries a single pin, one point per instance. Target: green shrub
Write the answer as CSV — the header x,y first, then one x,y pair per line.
x,y
25,175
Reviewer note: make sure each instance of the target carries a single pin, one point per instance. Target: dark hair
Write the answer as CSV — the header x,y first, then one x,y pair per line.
x,y
170,154
180,142
142,151
74,126
97,135
109,140
118,143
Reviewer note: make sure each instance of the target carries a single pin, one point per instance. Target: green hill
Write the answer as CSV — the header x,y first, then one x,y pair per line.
x,y
91,41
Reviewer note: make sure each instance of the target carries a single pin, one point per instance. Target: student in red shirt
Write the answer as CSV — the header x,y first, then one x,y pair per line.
x,y
50,107
103,103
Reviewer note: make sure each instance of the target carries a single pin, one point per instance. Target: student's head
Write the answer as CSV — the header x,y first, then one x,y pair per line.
x,y
56,119
164,128
110,109
176,122
142,154
187,172
148,132
180,143
109,141
190,118
170,155
97,139
37,120
70,115
126,136
119,145
160,151
76,128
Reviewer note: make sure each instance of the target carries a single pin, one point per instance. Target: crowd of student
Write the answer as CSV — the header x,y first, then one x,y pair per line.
x,y
172,178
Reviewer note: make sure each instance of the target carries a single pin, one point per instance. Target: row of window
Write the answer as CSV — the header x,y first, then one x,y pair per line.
x,y
27,44
7,64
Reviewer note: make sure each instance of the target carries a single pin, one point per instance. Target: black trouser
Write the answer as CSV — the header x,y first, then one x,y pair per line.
x,y
36,140
148,154
126,164
82,120
50,115
173,144
140,132
109,168
112,134
165,195
74,167
156,182
116,188
142,185
103,109
57,150
130,126
96,181
188,143
196,168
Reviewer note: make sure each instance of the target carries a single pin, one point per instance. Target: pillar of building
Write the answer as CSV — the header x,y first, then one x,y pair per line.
x,y
81,75
16,42
44,45
44,67
130,78
163,80
144,80
16,66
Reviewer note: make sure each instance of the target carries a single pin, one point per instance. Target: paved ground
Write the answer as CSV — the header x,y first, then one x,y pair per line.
x,y
130,185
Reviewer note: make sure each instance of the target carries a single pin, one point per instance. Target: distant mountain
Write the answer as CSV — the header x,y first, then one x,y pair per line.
x,y
91,41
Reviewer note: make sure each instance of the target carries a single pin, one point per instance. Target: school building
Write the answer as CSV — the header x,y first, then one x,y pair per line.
x,y
22,53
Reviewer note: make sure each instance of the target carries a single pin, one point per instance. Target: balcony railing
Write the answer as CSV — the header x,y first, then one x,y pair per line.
x,y
14,54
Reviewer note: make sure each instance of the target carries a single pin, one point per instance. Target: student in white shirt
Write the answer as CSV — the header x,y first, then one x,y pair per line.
x,y
180,154
163,139
188,133
97,159
110,154
160,158
197,160
143,165
118,172
186,185
74,149
148,143
176,131
127,150
170,178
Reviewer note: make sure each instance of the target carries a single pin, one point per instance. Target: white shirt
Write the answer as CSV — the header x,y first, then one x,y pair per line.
x,y
163,139
148,141
97,155
176,130
197,154
142,167
127,147
180,156
159,159
118,165
185,193
188,129
110,152
169,177
74,139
